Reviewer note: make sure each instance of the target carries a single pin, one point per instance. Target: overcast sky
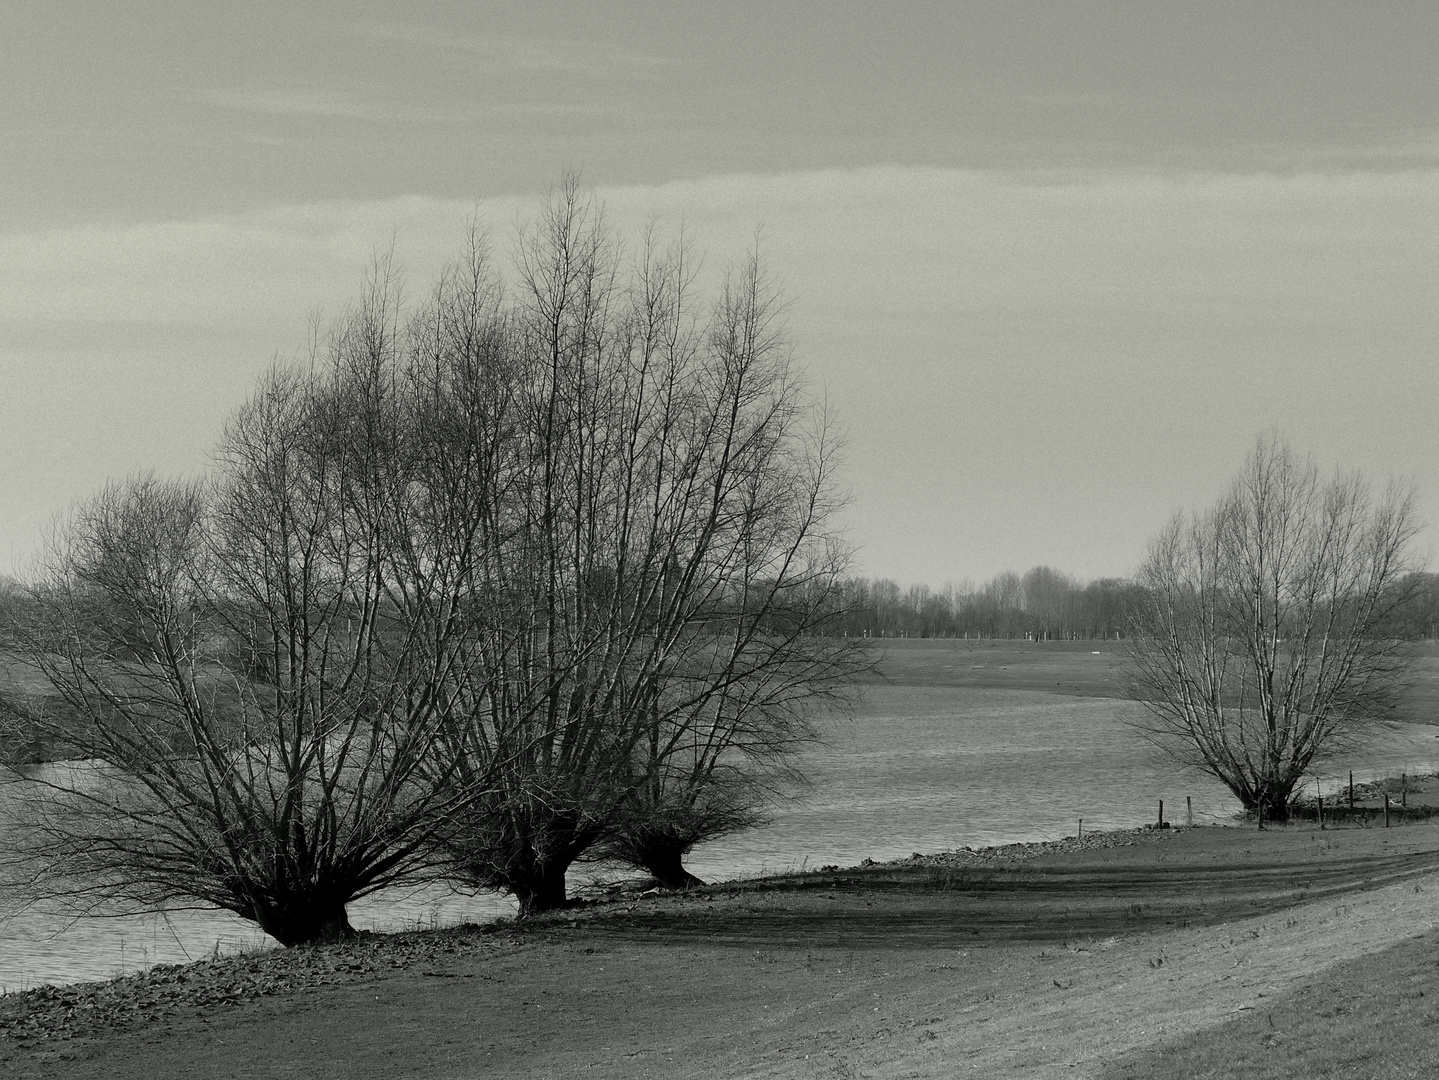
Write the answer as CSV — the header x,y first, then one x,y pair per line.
x,y
1055,265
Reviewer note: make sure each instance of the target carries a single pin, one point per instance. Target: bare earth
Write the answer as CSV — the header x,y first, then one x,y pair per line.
x,y
1037,961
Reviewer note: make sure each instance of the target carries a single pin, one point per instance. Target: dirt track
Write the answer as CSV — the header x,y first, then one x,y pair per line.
x,y
1040,966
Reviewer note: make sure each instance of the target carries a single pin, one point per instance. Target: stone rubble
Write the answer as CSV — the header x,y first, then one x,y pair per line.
x,y
87,1009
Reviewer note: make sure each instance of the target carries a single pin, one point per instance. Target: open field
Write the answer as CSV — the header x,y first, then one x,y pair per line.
x,y
1059,960
1083,668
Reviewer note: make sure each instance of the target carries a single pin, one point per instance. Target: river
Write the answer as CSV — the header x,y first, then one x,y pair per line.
x,y
918,769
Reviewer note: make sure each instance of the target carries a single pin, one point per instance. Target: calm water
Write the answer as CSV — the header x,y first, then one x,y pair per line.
x,y
920,769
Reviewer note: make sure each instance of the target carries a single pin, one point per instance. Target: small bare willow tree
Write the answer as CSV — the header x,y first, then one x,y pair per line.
x,y
248,676
715,766
1263,641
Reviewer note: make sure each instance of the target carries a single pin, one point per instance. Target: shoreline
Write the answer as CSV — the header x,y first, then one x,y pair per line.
x,y
616,887
233,978
311,967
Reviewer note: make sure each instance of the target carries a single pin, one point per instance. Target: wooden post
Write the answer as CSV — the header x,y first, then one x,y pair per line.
x,y
1321,812
1189,810
1081,828
1386,809
1161,815
1351,791
1404,790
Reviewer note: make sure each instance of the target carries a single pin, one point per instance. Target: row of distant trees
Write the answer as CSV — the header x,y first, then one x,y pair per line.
x,y
1040,604
1045,604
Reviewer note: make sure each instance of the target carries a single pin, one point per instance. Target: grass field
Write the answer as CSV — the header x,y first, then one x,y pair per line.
x,y
1377,1016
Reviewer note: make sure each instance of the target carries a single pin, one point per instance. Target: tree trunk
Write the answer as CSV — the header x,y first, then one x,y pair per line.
x,y
306,923
1269,809
543,889
667,866
1276,812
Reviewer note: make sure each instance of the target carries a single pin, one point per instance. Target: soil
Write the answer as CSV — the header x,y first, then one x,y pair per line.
x,y
1034,960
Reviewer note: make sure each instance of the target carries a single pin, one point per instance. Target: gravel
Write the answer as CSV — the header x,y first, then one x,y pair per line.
x,y
87,1009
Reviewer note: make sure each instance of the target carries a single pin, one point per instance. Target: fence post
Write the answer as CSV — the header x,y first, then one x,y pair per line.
x,y
1161,815
1189,810
1351,791
1081,828
1321,812
1386,809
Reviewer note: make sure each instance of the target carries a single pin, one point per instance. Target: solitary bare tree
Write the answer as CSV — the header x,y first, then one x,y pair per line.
x,y
1262,640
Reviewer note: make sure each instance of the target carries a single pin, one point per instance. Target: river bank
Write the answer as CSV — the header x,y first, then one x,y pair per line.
x,y
1038,959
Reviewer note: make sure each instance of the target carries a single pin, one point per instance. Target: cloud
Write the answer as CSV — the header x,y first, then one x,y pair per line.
x,y
322,104
1033,367
536,54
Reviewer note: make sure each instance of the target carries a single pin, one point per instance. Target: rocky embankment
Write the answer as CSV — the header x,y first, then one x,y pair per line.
x,y
1012,853
88,1009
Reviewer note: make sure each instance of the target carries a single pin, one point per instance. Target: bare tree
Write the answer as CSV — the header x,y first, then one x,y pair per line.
x,y
1263,640
1047,595
716,768
663,565
249,675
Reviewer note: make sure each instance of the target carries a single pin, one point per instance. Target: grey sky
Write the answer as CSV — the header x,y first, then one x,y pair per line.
x,y
1056,264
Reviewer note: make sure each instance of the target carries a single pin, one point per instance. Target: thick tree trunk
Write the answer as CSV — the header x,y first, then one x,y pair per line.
x,y
667,866
543,889
306,923
1268,810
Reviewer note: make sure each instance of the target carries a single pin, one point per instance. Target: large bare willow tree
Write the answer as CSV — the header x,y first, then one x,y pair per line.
x,y
654,572
1264,638
248,675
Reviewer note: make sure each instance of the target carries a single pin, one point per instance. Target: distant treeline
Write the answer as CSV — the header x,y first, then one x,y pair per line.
x,y
1042,604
